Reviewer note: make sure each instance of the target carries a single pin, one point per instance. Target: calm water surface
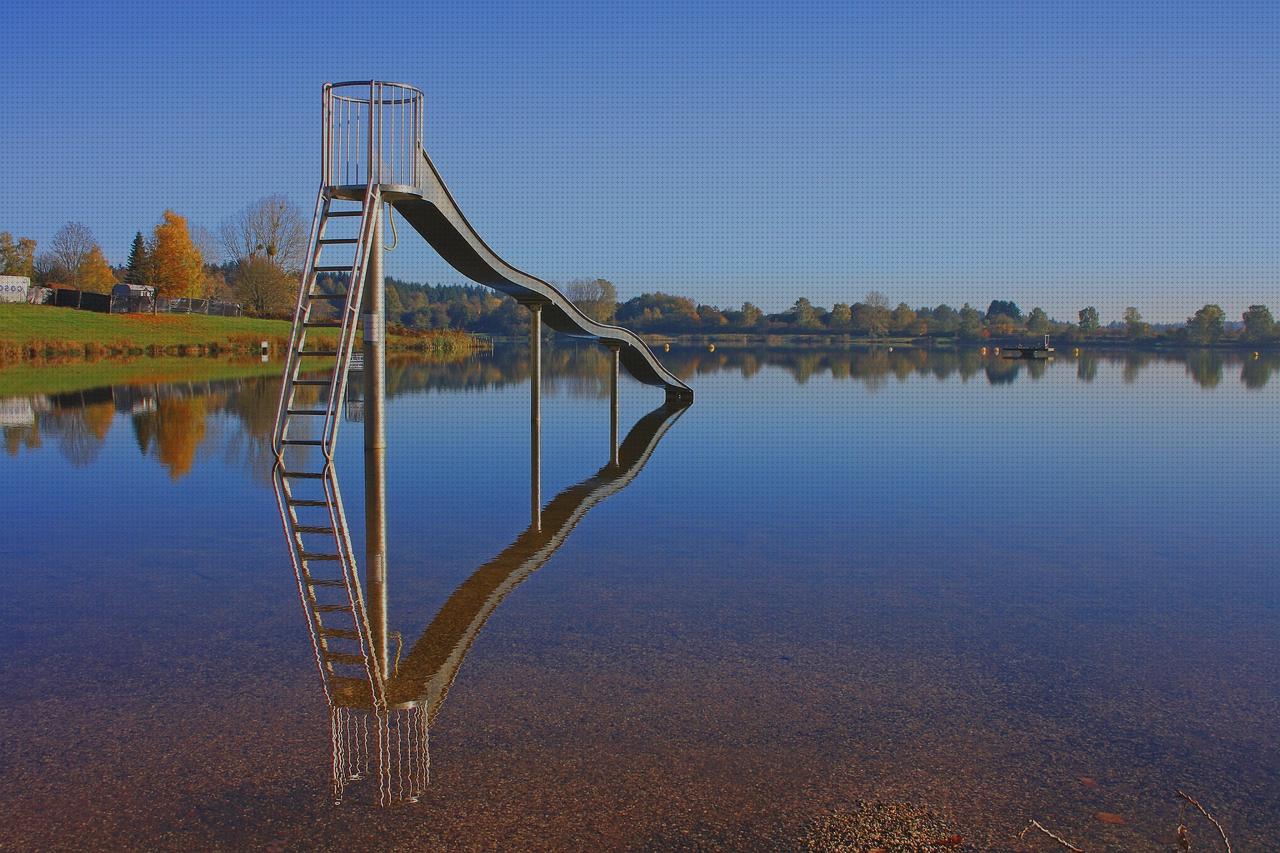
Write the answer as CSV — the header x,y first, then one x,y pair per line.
x,y
994,591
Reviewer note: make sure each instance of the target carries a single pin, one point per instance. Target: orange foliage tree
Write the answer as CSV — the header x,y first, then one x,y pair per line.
x,y
96,275
180,429
177,265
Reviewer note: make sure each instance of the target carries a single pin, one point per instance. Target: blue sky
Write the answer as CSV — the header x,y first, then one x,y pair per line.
x,y
1057,154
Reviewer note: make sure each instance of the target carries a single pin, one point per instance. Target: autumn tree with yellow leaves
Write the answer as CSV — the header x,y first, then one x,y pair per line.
x,y
95,274
177,266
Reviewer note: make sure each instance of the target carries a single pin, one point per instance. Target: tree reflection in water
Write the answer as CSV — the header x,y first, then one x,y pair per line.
x,y
170,422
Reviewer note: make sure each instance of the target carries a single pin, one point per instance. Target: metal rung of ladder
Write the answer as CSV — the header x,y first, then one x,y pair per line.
x,y
308,528
323,582
322,324
339,657
302,475
312,382
306,502
303,442
346,212
346,268
333,608
318,352
339,633
325,558
333,241
342,295
307,411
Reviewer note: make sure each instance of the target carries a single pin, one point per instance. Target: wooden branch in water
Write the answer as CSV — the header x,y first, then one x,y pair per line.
x,y
1226,842
1058,838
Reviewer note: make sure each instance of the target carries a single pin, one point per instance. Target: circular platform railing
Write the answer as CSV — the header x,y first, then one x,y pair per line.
x,y
372,134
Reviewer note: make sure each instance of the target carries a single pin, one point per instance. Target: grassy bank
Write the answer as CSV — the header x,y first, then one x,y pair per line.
x,y
24,378
43,333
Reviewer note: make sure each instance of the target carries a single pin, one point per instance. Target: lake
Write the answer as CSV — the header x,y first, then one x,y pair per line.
x,y
946,592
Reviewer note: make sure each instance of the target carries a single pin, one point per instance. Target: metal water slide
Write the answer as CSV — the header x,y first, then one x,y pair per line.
x,y
372,158
385,141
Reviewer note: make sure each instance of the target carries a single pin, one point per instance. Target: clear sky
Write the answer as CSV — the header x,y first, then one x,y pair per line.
x,y
1058,154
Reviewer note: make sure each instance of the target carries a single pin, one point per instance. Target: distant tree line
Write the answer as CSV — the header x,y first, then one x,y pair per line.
x,y
259,255
479,309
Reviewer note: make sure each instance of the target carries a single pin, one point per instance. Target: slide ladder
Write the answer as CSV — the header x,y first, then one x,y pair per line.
x,y
306,433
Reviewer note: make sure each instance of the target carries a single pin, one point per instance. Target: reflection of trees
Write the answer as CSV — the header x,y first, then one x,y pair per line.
x,y
1256,372
1205,368
180,427
170,420
17,438
143,431
97,417
253,404
1134,362
77,443
1003,371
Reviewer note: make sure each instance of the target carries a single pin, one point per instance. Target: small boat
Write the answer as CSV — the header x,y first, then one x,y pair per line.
x,y
1034,351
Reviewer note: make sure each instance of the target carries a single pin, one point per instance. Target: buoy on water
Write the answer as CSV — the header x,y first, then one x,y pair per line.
x,y
666,347
711,347
984,350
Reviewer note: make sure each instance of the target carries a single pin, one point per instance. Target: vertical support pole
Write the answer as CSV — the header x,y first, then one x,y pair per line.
x,y
613,403
375,445
535,413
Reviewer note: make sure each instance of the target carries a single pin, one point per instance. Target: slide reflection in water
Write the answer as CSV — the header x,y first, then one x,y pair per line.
x,y
383,730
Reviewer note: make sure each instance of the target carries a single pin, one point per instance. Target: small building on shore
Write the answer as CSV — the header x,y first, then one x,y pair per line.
x,y
13,288
132,298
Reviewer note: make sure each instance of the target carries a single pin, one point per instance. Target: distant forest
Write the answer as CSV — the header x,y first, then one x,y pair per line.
x,y
259,256
479,309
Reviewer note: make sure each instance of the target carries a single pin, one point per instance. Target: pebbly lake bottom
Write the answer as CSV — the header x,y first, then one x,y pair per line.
x,y
870,600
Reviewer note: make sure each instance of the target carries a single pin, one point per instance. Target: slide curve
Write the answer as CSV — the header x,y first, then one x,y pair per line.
x,y
436,216
431,665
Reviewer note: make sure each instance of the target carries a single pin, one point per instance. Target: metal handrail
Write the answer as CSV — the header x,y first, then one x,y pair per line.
x,y
372,133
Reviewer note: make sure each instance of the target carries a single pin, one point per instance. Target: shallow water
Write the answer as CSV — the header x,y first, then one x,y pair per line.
x,y
996,591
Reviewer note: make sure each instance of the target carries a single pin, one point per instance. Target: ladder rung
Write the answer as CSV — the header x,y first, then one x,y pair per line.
x,y
333,608
322,324
320,582
302,475
333,241
312,381
328,558
339,657
306,502
303,442
319,352
308,528
346,212
342,295
331,269
339,633
306,411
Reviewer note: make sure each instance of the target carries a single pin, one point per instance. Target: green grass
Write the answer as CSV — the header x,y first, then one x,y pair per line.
x,y
56,328
61,378
44,332
28,324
